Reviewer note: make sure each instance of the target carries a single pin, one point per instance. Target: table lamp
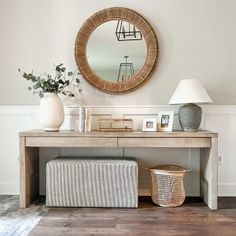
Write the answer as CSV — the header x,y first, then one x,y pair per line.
x,y
189,92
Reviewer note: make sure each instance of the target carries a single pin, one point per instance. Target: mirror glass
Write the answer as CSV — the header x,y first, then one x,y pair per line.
x,y
116,51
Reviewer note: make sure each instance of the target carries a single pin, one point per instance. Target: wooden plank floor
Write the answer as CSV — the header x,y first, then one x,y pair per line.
x,y
16,221
192,218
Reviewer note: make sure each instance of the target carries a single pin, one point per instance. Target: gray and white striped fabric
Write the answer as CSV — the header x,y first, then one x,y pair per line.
x,y
92,182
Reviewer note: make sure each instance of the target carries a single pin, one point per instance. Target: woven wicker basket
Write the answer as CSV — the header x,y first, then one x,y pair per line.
x,y
167,185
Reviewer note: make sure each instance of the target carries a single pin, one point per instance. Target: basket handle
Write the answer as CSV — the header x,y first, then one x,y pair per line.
x,y
172,171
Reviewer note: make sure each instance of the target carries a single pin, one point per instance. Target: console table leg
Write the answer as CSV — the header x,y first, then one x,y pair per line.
x,y
209,174
29,173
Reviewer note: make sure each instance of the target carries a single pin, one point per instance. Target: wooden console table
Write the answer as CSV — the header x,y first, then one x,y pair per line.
x,y
30,142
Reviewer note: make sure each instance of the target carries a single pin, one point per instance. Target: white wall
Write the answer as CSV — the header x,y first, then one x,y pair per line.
x,y
216,118
197,39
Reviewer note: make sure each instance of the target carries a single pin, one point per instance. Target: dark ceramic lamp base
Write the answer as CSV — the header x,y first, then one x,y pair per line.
x,y
190,116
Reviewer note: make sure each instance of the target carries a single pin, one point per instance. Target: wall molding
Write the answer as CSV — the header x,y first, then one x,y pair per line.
x,y
227,189
207,109
16,118
9,188
18,110
32,109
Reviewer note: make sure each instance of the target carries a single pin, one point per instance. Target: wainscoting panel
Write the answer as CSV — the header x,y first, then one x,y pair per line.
x,y
215,118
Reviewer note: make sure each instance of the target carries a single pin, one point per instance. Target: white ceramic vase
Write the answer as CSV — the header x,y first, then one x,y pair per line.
x,y
51,112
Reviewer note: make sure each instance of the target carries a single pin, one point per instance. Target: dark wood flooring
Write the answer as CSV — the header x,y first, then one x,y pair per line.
x,y
192,218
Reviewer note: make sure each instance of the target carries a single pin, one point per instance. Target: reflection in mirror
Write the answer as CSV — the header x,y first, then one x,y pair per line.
x,y
113,59
125,31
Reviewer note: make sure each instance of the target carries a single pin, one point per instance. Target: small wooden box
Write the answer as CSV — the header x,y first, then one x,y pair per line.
x,y
115,125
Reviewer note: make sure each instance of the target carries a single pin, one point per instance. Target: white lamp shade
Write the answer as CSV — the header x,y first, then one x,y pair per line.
x,y
190,91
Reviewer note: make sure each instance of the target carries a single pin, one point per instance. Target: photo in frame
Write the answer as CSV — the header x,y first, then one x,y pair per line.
x,y
165,120
150,124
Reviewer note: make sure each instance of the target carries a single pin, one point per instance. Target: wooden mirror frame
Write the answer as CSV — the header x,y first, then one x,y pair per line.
x,y
116,13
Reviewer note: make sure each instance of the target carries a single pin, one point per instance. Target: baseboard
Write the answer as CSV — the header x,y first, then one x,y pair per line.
x,y
9,188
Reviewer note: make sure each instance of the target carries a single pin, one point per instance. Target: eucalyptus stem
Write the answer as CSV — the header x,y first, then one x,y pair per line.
x,y
63,82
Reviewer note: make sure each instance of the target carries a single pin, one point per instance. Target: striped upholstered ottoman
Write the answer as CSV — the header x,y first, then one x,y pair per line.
x,y
92,182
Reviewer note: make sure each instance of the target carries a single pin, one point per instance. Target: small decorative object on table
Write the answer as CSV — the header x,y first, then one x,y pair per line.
x,y
189,92
84,120
165,120
115,125
150,124
48,88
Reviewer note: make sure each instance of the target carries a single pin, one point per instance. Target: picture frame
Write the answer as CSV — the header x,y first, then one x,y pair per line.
x,y
165,120
150,124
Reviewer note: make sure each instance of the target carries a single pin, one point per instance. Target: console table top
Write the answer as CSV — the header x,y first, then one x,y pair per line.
x,y
134,134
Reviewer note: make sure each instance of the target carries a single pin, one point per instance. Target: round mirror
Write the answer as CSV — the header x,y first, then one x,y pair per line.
x,y
116,50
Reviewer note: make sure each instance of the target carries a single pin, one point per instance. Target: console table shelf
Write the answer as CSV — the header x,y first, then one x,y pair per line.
x,y
31,141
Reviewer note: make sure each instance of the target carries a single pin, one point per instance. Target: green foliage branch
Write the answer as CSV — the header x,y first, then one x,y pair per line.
x,y
64,82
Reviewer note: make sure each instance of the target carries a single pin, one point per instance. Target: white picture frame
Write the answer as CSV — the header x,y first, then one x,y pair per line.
x,y
165,120
150,124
